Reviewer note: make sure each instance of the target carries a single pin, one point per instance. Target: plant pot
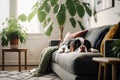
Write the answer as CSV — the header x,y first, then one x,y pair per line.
x,y
14,43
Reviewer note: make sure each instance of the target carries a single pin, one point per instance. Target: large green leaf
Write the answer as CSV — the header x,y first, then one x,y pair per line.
x,y
87,8
47,7
22,17
53,2
61,16
32,14
71,7
80,10
81,26
56,8
35,5
48,29
41,15
73,22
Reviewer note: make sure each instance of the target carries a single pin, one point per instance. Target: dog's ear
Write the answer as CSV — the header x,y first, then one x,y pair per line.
x,y
87,44
77,43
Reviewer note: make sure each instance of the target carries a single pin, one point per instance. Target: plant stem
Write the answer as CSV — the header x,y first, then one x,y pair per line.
x,y
61,28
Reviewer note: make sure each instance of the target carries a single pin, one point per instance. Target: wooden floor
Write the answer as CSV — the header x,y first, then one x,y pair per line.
x,y
15,68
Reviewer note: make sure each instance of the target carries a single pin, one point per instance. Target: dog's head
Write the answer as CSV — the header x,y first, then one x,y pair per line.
x,y
80,44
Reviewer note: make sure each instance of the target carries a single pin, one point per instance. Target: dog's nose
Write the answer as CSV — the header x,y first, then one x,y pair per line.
x,y
83,48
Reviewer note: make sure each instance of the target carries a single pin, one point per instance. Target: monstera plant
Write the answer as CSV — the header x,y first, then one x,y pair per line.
x,y
46,7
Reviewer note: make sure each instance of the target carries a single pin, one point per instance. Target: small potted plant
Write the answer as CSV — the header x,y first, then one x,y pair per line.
x,y
14,32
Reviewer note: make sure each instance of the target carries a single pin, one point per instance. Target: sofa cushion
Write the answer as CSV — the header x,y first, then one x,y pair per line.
x,y
92,34
100,37
110,35
77,63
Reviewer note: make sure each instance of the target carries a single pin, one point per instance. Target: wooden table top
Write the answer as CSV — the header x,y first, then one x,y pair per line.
x,y
107,59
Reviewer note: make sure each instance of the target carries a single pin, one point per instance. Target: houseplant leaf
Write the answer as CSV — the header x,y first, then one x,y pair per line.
x,y
53,2
22,17
41,15
73,22
81,26
47,7
35,5
61,16
48,29
88,10
71,7
56,8
80,10
32,14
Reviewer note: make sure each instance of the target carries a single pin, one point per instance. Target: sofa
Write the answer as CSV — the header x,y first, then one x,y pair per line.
x,y
79,66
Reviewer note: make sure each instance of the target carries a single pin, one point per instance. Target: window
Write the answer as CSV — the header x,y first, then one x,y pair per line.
x,y
4,12
24,6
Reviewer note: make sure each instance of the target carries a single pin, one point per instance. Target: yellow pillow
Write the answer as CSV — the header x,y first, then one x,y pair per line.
x,y
109,35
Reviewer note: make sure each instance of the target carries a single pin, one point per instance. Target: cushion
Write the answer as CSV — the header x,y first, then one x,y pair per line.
x,y
70,35
110,35
92,34
77,63
100,38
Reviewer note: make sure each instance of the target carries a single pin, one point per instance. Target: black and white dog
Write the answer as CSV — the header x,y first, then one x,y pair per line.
x,y
78,44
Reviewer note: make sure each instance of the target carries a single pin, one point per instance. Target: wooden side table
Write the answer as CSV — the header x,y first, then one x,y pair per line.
x,y
19,56
103,61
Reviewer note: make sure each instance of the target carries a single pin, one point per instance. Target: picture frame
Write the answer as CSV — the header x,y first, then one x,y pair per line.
x,y
101,5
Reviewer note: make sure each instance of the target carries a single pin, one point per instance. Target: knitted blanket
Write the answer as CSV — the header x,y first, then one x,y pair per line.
x,y
44,62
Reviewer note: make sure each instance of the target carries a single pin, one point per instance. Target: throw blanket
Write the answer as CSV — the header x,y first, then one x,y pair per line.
x,y
45,62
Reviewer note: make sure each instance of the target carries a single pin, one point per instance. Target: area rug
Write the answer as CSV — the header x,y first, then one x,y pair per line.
x,y
15,75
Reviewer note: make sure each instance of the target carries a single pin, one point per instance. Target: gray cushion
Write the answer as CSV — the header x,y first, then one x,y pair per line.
x,y
77,63
92,34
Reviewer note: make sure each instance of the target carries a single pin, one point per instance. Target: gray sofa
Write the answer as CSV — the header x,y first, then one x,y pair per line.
x,y
79,66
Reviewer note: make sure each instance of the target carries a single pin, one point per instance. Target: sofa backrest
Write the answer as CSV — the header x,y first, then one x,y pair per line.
x,y
96,35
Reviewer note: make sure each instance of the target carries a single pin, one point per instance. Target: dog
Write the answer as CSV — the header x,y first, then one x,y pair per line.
x,y
78,44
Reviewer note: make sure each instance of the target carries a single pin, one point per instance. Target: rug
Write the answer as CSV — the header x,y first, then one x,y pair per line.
x,y
15,75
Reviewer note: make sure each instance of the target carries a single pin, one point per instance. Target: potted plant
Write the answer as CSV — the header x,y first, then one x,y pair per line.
x,y
14,31
73,7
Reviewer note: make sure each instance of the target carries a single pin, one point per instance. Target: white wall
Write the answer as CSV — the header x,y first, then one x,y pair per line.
x,y
105,17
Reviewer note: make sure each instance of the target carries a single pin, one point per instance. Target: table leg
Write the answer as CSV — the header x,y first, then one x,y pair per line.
x,y
19,61
25,59
105,71
114,75
100,71
2,60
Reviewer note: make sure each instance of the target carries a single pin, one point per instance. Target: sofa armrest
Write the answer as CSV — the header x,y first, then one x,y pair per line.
x,y
54,42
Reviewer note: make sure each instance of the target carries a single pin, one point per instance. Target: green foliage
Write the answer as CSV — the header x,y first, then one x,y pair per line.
x,y
73,22
48,29
87,8
80,11
81,26
14,30
53,2
115,51
61,16
56,8
41,15
73,7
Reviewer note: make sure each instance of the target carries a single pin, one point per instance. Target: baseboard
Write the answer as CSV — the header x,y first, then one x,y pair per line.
x,y
32,62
